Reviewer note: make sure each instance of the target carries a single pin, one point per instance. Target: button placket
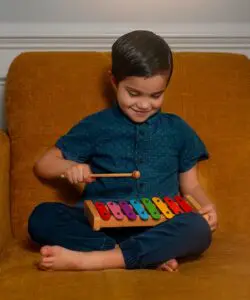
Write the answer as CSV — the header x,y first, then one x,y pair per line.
x,y
137,159
142,139
142,186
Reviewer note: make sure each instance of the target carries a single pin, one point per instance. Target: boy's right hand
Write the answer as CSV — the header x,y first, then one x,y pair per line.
x,y
79,173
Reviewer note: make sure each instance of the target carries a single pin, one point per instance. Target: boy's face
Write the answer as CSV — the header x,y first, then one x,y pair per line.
x,y
140,98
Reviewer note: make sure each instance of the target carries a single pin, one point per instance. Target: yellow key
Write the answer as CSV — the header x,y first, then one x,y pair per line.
x,y
163,207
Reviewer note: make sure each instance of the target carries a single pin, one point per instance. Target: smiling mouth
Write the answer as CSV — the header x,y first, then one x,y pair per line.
x,y
141,111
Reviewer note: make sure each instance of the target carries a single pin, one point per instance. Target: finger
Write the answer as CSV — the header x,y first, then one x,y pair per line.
x,y
204,210
212,223
89,180
87,174
87,169
68,175
213,218
80,174
75,176
213,228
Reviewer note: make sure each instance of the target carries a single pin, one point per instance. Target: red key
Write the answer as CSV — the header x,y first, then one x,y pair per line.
x,y
104,213
183,204
173,205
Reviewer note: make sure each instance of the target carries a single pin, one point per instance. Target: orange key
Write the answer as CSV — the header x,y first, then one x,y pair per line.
x,y
163,207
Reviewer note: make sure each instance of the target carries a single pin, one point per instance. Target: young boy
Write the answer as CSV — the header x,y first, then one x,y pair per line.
x,y
133,134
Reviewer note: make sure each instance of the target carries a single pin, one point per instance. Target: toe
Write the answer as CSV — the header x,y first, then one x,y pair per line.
x,y
45,266
45,251
167,268
173,264
47,259
164,267
170,266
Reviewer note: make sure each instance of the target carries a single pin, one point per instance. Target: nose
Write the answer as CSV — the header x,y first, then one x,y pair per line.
x,y
143,104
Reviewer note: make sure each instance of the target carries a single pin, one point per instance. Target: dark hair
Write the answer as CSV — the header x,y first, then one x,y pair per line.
x,y
140,53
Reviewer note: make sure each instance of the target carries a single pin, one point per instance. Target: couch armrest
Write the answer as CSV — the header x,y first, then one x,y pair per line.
x,y
5,228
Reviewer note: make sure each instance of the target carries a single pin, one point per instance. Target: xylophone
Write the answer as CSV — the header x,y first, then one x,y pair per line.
x,y
133,213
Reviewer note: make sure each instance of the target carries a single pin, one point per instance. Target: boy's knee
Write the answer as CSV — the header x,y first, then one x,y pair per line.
x,y
40,223
193,232
199,232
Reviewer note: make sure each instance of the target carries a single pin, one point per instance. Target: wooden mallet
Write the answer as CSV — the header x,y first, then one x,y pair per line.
x,y
135,175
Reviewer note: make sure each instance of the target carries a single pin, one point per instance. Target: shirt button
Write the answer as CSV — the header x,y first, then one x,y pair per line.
x,y
139,160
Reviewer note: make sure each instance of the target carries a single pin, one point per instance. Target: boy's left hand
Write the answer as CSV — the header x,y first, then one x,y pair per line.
x,y
210,210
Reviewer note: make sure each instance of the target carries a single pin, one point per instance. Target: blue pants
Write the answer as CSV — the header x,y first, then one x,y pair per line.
x,y
185,235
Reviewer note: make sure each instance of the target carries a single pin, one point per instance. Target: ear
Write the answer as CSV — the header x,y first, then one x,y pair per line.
x,y
112,80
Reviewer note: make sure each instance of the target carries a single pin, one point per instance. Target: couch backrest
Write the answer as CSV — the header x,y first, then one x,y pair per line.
x,y
47,93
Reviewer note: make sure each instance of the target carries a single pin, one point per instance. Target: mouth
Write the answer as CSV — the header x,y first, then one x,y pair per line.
x,y
141,112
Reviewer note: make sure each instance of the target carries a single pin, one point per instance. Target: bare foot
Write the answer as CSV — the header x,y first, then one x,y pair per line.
x,y
59,258
170,266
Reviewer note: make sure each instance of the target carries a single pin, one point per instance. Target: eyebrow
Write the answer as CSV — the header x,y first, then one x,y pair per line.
x,y
140,92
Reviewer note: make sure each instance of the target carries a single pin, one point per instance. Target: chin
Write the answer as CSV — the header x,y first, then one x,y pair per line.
x,y
139,119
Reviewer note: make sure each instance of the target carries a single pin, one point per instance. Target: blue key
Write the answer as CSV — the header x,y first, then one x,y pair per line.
x,y
139,209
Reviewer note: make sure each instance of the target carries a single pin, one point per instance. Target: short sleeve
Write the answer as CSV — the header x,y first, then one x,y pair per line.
x,y
77,143
193,149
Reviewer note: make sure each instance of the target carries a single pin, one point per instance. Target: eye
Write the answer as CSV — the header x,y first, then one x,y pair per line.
x,y
133,94
156,96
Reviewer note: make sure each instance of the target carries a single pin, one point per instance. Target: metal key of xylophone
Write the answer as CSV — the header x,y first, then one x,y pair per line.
x,y
127,210
103,211
173,205
153,211
186,207
163,207
139,209
115,210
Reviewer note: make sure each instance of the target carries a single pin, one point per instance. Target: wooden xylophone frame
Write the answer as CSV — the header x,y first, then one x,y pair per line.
x,y
97,222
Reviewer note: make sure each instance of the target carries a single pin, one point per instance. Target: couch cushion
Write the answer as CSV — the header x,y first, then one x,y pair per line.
x,y
222,273
47,93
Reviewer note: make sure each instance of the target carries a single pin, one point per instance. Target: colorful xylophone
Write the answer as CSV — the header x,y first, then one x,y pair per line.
x,y
146,212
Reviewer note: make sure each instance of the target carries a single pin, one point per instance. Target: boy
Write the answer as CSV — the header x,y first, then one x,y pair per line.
x,y
133,134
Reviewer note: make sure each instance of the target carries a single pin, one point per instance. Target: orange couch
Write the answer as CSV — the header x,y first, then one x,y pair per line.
x,y
46,93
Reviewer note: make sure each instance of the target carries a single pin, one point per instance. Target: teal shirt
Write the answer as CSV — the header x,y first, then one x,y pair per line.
x,y
160,148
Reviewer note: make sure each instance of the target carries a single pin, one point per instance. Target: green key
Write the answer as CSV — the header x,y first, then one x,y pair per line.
x,y
150,207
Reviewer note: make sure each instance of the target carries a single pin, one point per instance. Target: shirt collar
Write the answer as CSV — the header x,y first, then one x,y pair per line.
x,y
152,120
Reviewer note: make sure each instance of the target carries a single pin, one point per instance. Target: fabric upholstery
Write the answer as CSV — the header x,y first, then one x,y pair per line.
x,y
5,231
46,93
222,273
